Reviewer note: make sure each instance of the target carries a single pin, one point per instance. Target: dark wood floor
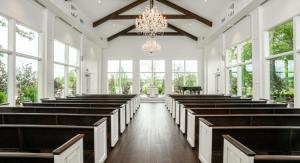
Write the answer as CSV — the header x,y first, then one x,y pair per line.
x,y
152,137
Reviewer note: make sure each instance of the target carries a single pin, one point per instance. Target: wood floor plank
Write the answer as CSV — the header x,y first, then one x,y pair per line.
x,y
152,137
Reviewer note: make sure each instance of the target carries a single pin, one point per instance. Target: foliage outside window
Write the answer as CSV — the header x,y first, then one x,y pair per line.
x,y
27,80
240,60
282,67
120,76
185,73
152,72
3,33
66,69
3,77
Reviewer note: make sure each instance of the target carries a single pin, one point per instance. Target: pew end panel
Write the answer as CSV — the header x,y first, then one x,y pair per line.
x,y
177,114
205,142
235,152
114,128
191,129
70,152
182,118
128,108
100,142
122,118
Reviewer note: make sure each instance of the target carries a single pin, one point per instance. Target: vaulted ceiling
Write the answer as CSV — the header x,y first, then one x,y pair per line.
x,y
209,10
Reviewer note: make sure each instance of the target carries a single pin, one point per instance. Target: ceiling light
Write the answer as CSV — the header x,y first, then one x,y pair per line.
x,y
151,46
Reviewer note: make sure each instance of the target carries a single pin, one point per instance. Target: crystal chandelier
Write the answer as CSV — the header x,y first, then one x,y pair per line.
x,y
151,22
151,46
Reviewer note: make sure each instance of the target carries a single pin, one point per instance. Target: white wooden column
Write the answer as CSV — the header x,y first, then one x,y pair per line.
x,y
12,62
297,60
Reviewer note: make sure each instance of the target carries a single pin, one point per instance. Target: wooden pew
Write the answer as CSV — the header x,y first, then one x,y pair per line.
x,y
96,128
16,147
192,123
181,103
210,132
276,148
110,113
123,119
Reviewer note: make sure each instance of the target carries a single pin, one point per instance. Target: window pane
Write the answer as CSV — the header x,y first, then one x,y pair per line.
x,y
3,33
232,55
233,81
3,77
246,53
27,80
178,81
158,66
59,80
145,66
282,79
113,83
126,83
247,80
113,66
145,81
191,66
191,79
126,66
281,38
72,81
178,66
73,57
59,52
27,41
159,82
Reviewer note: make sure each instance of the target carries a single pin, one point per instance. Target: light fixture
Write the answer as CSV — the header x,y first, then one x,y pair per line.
x,y
151,46
151,22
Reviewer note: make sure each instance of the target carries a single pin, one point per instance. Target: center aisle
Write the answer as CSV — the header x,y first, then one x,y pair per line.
x,y
152,137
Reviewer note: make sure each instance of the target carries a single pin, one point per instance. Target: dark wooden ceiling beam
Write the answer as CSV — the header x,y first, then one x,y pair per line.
x,y
118,12
182,32
186,12
164,34
125,17
121,33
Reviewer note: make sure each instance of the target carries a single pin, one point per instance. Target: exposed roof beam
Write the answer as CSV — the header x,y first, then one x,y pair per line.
x,y
124,17
164,34
121,32
186,12
178,32
118,12
182,32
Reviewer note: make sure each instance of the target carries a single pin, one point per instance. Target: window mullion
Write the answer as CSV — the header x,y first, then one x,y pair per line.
x,y
12,62
66,69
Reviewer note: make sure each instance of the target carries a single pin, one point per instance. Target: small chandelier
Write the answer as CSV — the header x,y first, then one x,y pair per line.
x,y
151,46
151,22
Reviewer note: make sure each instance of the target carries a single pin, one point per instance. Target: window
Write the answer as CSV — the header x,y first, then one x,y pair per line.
x,y
185,73
3,77
239,65
281,62
152,73
66,69
27,61
3,33
120,76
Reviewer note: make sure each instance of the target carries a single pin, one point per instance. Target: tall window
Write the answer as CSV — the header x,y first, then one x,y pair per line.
x,y
27,60
66,69
152,73
3,59
185,73
281,59
239,64
120,73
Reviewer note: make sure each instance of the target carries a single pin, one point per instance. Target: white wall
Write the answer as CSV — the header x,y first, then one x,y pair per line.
x,y
172,48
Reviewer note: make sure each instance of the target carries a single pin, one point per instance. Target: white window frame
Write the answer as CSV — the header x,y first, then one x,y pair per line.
x,y
184,71
67,66
269,57
238,65
119,72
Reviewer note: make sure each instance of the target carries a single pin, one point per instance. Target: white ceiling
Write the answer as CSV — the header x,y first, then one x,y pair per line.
x,y
209,10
